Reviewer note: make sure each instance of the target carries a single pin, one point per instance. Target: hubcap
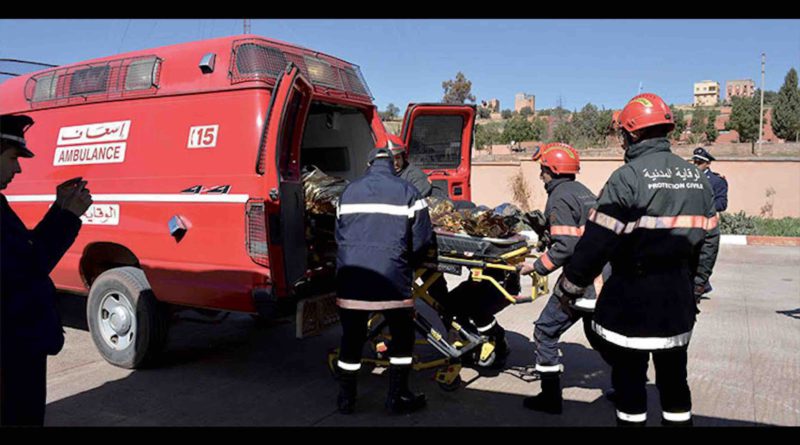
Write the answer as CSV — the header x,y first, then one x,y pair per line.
x,y
117,321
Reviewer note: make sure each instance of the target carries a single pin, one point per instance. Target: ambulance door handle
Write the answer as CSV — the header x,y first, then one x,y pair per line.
x,y
274,194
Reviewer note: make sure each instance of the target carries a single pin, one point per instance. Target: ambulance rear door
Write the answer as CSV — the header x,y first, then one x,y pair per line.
x,y
439,140
286,119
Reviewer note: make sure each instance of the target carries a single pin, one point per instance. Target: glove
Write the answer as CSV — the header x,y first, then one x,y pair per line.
x,y
544,241
567,292
699,290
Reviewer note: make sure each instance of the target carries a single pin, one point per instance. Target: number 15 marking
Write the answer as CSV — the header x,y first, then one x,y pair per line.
x,y
203,136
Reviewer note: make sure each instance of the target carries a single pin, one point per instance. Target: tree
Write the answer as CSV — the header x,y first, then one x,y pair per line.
x,y
604,126
457,91
744,119
484,113
517,129
525,111
390,113
680,123
770,97
506,114
485,136
539,129
710,131
563,132
702,125
786,113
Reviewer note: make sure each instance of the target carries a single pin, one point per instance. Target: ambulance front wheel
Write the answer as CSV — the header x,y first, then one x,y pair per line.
x,y
128,325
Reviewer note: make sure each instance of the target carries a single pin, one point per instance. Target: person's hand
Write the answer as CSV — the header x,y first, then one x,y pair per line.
x,y
73,196
566,293
699,290
525,268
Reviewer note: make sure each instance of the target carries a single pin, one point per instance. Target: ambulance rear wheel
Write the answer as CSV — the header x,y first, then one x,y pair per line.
x,y
128,325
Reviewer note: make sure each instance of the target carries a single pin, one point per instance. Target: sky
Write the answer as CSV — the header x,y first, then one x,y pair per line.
x,y
574,61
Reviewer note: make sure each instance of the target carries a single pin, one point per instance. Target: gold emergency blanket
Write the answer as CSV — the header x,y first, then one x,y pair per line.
x,y
322,194
322,191
481,221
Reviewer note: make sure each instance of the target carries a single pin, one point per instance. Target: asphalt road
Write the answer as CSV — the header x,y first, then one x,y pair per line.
x,y
744,368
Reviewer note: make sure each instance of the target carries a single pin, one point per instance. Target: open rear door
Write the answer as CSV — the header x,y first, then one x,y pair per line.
x,y
286,205
439,140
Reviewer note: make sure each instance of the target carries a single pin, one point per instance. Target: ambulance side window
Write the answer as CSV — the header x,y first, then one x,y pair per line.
x,y
289,150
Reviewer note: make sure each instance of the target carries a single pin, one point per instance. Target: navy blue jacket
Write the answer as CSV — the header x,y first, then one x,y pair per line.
x,y
30,319
383,231
720,186
566,213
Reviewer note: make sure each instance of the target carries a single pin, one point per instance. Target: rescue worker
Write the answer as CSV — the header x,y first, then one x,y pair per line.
x,y
472,302
411,172
31,326
702,159
566,212
383,231
656,223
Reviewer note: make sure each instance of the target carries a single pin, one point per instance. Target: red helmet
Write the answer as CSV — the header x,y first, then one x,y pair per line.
x,y
558,157
645,110
396,145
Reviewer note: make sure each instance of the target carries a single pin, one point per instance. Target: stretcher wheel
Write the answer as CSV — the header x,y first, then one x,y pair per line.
x,y
483,359
489,360
450,387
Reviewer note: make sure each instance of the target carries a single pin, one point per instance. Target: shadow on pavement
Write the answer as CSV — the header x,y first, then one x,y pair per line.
x,y
794,313
236,373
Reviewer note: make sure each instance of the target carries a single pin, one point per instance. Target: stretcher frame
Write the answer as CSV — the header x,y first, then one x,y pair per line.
x,y
449,367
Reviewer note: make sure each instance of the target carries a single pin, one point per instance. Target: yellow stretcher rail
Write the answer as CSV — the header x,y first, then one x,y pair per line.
x,y
449,367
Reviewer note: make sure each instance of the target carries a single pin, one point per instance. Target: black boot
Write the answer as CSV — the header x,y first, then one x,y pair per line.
x,y
549,400
348,381
682,423
400,399
625,423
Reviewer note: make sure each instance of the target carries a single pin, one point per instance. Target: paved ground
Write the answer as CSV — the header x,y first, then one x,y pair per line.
x,y
744,368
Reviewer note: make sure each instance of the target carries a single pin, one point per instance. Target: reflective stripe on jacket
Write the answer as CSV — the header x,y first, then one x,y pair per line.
x,y
656,223
382,230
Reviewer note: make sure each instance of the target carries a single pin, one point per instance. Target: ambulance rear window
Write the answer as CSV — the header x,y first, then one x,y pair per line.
x,y
436,141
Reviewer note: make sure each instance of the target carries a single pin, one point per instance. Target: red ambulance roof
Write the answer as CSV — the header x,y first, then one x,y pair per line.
x,y
178,72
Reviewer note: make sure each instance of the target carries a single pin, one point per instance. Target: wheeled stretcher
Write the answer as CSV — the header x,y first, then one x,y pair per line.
x,y
465,344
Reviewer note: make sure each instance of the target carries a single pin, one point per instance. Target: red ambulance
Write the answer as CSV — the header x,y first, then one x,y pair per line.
x,y
193,154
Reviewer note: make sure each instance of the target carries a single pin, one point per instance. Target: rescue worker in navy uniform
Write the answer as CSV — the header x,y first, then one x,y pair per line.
x,y
656,223
411,172
383,230
566,212
470,302
31,326
702,159
420,181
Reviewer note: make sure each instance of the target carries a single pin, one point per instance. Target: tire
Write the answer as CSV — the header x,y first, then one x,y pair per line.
x,y
128,325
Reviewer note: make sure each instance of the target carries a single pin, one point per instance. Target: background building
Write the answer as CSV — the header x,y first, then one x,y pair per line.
x,y
742,88
522,100
493,105
706,93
